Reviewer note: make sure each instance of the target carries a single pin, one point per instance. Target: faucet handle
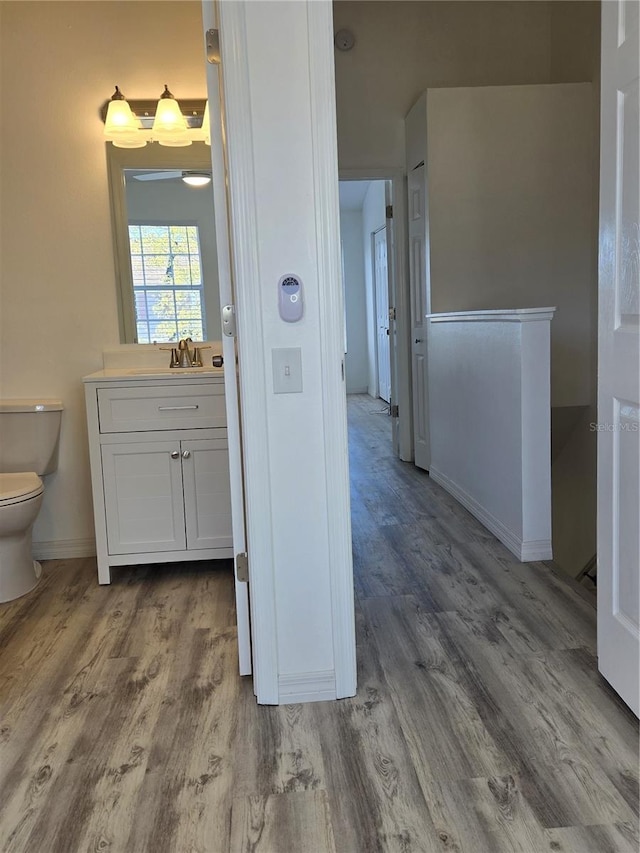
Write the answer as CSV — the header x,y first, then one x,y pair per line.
x,y
175,361
196,360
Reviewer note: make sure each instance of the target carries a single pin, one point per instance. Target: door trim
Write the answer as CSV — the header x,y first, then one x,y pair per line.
x,y
331,310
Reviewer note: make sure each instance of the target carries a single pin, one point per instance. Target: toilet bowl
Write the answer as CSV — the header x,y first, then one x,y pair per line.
x,y
20,501
29,436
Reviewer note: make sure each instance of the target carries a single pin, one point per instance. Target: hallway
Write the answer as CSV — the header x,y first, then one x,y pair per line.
x,y
489,668
480,724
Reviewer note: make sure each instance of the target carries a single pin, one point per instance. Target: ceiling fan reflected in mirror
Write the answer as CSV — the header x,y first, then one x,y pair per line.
x,y
190,177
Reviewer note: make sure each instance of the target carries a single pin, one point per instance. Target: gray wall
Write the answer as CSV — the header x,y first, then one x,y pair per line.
x,y
403,48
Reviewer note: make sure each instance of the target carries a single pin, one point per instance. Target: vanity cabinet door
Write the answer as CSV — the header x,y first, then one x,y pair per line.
x,y
143,497
207,499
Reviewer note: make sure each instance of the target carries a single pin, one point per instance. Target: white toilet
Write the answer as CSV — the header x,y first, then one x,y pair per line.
x,y
29,436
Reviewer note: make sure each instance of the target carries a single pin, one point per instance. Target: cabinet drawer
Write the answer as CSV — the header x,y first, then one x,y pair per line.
x,y
133,409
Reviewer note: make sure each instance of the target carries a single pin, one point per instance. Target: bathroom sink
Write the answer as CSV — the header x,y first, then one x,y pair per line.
x,y
166,371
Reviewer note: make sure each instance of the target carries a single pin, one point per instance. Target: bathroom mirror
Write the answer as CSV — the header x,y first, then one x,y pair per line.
x,y
165,244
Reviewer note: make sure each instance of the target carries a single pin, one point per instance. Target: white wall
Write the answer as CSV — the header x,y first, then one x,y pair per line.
x,y
356,366
281,135
373,217
58,294
489,399
174,201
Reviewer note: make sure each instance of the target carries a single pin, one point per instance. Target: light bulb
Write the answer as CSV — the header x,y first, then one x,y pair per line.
x,y
169,125
121,126
196,179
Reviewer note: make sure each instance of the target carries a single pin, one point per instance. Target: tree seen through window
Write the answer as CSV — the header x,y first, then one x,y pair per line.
x,y
166,270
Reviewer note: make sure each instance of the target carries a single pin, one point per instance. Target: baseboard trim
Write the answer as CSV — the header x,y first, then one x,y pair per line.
x,y
526,551
307,687
62,549
535,550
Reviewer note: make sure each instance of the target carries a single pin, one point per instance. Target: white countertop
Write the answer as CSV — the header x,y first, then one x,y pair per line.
x,y
173,374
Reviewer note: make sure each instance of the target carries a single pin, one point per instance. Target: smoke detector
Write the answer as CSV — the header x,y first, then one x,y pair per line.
x,y
344,40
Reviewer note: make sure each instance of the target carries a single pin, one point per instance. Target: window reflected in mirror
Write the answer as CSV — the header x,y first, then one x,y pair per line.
x,y
164,236
166,272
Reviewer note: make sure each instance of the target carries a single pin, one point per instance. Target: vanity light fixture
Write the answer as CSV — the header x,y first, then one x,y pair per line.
x,y
120,124
169,125
196,179
131,124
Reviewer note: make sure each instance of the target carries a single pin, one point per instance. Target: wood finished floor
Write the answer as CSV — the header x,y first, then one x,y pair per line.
x,y
480,724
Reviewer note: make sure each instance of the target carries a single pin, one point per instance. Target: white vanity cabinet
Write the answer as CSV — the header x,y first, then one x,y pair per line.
x,y
159,468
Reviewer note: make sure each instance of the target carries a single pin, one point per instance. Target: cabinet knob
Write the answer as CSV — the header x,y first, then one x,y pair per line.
x,y
186,454
175,454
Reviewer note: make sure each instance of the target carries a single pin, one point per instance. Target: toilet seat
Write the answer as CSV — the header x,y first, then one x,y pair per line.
x,y
15,488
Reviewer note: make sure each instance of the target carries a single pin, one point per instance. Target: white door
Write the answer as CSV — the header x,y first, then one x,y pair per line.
x,y
619,355
218,163
381,284
420,305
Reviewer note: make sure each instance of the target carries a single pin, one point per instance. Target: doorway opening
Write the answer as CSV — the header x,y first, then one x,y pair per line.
x,y
373,237
363,238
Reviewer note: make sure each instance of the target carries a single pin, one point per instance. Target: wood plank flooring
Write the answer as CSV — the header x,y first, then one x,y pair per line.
x,y
481,724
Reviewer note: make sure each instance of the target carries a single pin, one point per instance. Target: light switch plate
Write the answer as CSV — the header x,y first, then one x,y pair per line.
x,y
287,370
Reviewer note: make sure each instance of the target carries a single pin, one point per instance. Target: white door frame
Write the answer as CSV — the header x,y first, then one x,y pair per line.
x,y
372,250
254,379
420,301
400,330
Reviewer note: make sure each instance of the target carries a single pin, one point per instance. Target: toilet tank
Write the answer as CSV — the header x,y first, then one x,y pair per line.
x,y
29,435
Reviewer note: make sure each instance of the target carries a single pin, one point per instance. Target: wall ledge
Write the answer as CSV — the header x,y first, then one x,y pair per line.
x,y
509,315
